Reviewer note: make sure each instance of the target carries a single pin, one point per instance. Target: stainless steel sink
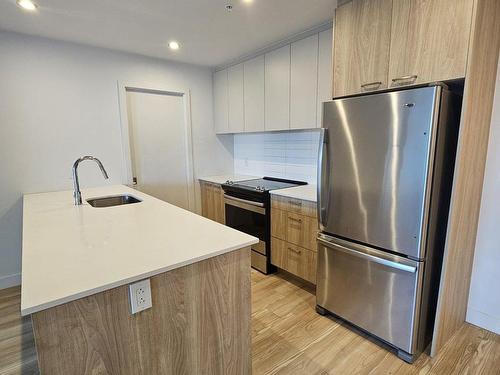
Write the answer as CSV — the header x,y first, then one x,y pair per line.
x,y
116,200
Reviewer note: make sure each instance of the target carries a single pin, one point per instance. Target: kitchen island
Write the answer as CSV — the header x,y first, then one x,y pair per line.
x,y
79,260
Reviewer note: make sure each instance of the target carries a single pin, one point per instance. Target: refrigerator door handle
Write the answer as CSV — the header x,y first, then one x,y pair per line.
x,y
371,258
323,170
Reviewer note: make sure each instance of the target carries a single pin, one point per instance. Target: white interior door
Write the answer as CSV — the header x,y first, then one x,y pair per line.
x,y
158,145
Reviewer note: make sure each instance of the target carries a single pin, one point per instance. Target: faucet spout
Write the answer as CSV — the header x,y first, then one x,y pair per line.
x,y
76,184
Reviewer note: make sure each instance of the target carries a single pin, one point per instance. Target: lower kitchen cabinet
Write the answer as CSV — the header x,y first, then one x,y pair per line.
x,y
294,228
294,259
212,201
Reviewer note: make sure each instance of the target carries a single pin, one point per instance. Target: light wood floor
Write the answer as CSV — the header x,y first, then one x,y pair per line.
x,y
288,337
17,346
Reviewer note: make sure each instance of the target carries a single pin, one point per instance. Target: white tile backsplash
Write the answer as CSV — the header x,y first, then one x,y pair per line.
x,y
291,154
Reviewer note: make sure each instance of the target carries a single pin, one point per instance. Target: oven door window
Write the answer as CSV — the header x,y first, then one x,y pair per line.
x,y
246,221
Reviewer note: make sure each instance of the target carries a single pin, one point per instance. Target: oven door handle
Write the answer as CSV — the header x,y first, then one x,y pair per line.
x,y
252,203
239,202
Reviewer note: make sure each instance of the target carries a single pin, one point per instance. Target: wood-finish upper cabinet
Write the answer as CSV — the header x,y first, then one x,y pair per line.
x,y
430,40
362,42
236,117
254,94
277,86
220,102
304,83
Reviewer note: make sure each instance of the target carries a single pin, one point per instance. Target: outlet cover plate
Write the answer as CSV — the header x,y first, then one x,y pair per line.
x,y
140,296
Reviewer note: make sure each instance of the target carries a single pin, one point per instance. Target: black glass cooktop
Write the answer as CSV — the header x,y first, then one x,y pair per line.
x,y
264,184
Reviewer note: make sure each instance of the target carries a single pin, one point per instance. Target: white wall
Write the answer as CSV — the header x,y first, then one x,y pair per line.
x,y
290,155
484,298
59,101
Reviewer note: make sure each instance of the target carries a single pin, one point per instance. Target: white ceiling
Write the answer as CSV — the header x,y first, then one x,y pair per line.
x,y
209,35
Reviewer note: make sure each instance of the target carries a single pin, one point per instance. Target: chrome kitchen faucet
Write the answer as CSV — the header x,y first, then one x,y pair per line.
x,y
77,193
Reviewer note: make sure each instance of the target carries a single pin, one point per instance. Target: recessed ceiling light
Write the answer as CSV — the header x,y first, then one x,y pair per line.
x,y
174,45
27,4
248,1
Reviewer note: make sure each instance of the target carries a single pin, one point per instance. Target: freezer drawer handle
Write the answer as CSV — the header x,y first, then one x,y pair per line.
x,y
371,258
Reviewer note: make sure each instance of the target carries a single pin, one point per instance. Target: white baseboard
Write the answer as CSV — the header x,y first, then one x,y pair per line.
x,y
486,321
10,280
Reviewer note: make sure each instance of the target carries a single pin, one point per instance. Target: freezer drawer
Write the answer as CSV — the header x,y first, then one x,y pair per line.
x,y
373,290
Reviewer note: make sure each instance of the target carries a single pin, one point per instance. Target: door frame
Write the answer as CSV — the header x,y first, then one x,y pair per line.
x,y
123,87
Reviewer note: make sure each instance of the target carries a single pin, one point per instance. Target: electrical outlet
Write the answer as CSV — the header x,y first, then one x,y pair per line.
x,y
140,296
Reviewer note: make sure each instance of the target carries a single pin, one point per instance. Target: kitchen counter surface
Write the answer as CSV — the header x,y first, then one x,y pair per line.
x,y
223,178
70,252
303,192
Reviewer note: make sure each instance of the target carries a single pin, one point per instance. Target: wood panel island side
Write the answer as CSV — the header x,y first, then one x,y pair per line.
x,y
79,261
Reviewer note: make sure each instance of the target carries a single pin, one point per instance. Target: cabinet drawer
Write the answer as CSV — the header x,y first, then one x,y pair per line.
x,y
301,230
301,262
297,229
294,259
294,205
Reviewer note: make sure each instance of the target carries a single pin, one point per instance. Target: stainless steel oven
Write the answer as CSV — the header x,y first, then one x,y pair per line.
x,y
250,217
247,208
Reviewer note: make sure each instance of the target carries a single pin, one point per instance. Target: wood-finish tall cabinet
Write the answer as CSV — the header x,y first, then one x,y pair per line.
x,y
432,40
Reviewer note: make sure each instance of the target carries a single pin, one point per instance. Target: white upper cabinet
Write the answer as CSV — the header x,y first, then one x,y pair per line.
x,y
220,102
236,116
304,83
325,70
254,94
283,89
277,87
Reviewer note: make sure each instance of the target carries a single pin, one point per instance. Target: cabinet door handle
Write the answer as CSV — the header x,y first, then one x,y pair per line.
x,y
295,250
405,78
378,83
293,203
294,219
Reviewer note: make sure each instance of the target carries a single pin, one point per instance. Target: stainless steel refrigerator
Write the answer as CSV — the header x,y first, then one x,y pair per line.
x,y
384,185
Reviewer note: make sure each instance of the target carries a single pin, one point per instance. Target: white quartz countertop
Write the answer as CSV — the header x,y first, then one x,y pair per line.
x,y
70,252
303,192
223,178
